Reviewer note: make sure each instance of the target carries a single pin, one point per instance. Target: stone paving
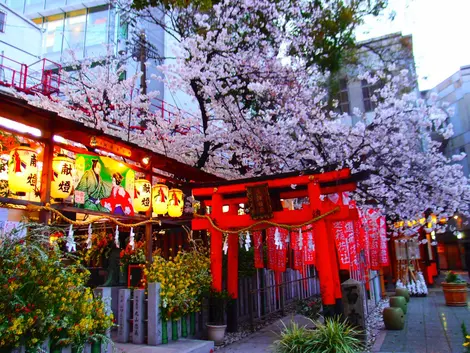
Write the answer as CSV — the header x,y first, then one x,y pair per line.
x,y
431,327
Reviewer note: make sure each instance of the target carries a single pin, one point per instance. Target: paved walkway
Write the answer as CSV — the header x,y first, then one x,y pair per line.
x,y
431,327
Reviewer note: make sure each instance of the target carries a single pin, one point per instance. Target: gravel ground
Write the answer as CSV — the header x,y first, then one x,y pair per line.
x,y
244,328
375,323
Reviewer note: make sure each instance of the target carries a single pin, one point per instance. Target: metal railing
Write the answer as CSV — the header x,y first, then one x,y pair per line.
x,y
270,297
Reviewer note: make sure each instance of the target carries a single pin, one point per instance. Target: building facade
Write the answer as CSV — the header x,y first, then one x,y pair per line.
x,y
373,55
454,247
88,28
20,38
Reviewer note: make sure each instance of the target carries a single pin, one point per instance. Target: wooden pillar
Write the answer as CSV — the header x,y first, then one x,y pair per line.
x,y
328,278
382,283
216,243
149,229
232,275
46,176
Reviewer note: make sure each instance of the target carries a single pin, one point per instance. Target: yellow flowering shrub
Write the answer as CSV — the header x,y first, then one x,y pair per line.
x,y
41,296
183,281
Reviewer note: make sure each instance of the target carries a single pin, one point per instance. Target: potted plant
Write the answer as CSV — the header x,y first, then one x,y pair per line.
x,y
455,290
218,302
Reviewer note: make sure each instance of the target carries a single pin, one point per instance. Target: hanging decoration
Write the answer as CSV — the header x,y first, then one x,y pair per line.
x,y
301,239
132,239
240,239
225,247
247,241
143,195
258,244
89,237
116,237
277,239
22,170
175,203
160,199
63,170
70,241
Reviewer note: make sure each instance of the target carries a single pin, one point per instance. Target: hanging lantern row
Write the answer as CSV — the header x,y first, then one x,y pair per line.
x,y
167,201
23,177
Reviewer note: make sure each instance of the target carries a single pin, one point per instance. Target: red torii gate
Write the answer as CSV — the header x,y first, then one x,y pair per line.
x,y
312,186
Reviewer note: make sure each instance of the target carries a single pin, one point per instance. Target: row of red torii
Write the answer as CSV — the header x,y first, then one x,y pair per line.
x,y
282,187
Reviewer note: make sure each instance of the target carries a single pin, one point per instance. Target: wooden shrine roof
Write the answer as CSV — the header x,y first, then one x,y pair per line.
x,y
51,123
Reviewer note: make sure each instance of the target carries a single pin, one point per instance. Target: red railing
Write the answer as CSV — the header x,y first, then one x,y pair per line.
x,y
42,76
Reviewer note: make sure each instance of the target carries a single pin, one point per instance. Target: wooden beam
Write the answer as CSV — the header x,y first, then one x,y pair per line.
x,y
46,176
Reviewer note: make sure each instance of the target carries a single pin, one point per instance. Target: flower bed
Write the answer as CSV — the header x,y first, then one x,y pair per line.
x,y
41,297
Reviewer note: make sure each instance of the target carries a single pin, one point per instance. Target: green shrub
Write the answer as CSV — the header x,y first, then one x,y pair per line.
x,y
337,336
334,336
452,277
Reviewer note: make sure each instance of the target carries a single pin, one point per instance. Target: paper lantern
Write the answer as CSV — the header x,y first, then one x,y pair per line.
x,y
175,203
22,170
143,193
63,169
160,199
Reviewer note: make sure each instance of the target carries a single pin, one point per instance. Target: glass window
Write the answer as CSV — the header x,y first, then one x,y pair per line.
x,y
74,33
50,4
34,5
3,18
97,31
53,35
368,90
16,5
343,96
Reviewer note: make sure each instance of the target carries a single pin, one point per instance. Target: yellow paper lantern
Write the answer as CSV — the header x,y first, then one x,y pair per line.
x,y
22,170
160,199
63,169
175,203
143,194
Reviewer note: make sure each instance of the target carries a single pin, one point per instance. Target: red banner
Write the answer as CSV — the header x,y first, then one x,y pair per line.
x,y
348,228
277,249
384,259
258,244
341,241
309,246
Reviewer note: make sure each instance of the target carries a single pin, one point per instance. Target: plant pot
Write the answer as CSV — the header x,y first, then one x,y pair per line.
x,y
399,302
455,293
216,333
403,292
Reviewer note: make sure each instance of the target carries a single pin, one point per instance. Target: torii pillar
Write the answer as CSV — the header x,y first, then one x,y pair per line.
x,y
326,262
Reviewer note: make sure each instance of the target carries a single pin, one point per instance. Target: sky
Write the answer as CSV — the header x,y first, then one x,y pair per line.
x,y
440,30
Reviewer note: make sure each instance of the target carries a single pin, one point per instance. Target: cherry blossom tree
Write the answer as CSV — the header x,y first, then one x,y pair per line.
x,y
258,73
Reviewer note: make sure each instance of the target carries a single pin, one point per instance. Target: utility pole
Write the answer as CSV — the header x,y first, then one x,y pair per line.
x,y
143,59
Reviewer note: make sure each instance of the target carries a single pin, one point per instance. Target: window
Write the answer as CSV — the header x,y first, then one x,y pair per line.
x,y
33,6
16,5
3,18
343,96
97,31
368,91
74,33
53,35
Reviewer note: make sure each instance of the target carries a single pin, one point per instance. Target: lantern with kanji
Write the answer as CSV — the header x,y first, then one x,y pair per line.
x,y
62,177
175,203
22,170
143,193
160,199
